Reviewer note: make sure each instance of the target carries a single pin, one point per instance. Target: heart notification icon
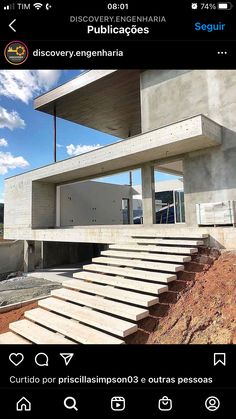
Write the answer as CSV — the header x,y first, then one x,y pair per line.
x,y
16,359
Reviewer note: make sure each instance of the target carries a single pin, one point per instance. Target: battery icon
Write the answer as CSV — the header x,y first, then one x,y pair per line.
x,y
224,6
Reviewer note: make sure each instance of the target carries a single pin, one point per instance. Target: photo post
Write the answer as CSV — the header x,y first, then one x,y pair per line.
x,y
117,209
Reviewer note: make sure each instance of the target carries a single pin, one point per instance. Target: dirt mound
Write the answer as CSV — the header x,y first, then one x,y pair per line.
x,y
200,307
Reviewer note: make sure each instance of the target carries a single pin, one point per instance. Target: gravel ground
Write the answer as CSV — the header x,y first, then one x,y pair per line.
x,y
22,288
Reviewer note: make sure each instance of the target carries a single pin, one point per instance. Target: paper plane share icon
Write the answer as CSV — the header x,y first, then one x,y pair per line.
x,y
67,357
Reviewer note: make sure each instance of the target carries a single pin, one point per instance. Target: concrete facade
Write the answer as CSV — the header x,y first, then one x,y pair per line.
x,y
169,96
186,116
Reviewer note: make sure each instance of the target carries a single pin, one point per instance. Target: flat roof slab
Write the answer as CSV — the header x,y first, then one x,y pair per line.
x,y
106,100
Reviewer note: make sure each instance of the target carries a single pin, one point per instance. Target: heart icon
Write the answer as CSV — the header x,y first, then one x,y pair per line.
x,y
16,359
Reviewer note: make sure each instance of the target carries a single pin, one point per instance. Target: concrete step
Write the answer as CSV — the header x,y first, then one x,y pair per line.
x,y
70,328
157,249
170,242
37,334
10,338
99,303
174,235
135,298
154,266
131,273
146,256
85,315
117,281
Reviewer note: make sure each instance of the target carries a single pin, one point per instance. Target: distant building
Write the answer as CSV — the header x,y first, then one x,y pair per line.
x,y
169,202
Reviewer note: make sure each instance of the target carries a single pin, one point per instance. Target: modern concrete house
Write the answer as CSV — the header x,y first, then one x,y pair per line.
x,y
181,122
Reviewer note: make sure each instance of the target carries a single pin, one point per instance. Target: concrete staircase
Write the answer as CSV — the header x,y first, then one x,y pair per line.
x,y
104,303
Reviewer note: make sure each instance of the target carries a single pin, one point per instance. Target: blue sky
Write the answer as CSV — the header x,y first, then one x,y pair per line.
x,y
26,135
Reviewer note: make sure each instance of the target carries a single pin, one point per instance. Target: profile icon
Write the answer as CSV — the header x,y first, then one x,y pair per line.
x,y
212,403
16,52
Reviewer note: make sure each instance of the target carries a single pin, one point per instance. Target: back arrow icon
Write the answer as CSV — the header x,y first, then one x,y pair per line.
x,y
10,25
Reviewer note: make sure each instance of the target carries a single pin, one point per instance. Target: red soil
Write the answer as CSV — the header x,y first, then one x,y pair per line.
x,y
13,315
199,308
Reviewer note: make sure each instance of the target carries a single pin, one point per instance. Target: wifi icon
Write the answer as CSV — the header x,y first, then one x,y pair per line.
x,y
38,5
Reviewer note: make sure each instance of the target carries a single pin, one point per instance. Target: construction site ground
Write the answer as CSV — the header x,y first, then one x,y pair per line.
x,y
199,308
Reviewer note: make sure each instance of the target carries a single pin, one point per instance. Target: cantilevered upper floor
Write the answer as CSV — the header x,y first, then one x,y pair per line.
x,y
106,100
35,191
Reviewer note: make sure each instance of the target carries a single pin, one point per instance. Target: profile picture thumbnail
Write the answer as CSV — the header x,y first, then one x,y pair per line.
x,y
16,52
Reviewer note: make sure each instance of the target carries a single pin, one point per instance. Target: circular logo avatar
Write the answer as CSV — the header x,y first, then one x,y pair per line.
x,y
16,52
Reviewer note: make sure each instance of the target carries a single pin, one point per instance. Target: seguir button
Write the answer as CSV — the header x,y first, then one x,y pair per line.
x,y
209,27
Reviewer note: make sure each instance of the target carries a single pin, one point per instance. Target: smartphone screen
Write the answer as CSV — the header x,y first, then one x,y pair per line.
x,y
117,209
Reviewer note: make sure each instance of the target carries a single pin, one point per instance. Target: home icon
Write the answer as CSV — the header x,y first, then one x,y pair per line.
x,y
23,405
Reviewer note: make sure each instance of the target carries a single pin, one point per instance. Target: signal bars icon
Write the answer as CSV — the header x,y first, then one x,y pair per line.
x,y
9,7
37,6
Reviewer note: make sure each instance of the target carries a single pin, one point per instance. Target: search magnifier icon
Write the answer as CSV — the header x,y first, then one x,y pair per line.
x,y
70,403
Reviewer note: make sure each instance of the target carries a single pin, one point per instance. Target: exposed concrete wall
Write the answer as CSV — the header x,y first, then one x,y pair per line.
x,y
11,256
210,176
33,255
18,198
91,203
221,237
169,96
43,205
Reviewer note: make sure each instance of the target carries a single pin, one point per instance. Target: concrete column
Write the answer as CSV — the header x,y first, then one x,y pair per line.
x,y
148,194
41,256
29,256
131,206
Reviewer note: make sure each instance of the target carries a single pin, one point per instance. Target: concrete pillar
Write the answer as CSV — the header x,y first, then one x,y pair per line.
x,y
131,215
41,255
148,194
29,256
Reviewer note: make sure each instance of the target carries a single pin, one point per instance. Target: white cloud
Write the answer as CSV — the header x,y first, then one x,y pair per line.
x,y
3,142
25,84
60,145
74,150
10,120
8,161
